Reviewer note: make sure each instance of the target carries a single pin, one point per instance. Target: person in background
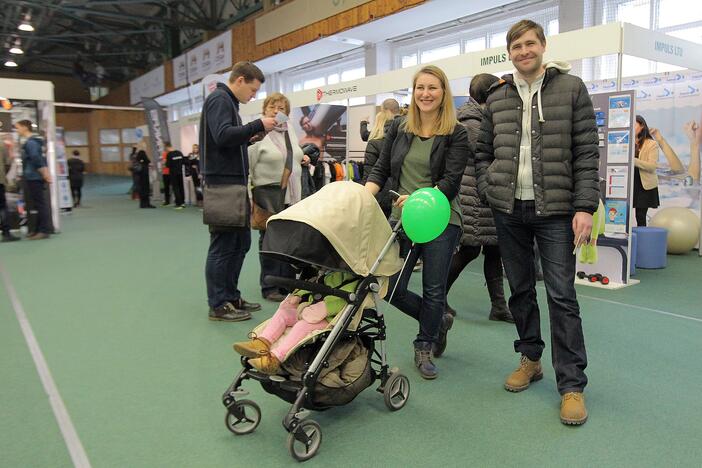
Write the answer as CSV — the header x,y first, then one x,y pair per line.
x,y
76,168
427,149
479,231
276,178
390,107
141,169
194,168
645,177
35,174
175,163
537,164
166,179
383,121
4,221
134,191
224,140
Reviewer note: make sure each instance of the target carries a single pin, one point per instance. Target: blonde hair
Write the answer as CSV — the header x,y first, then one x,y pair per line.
x,y
276,97
378,131
446,119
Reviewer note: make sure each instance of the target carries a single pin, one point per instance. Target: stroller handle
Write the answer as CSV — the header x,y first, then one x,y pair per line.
x,y
290,283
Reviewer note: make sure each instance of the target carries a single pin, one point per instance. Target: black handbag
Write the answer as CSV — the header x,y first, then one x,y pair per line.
x,y
224,205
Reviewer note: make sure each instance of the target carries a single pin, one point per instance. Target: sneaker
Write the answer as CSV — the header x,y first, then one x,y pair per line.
x,y
527,372
573,411
422,359
446,324
275,296
256,346
38,236
165,204
450,310
179,207
9,238
228,313
241,304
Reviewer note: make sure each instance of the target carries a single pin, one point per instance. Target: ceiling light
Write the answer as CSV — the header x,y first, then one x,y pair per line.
x,y
10,63
26,26
16,50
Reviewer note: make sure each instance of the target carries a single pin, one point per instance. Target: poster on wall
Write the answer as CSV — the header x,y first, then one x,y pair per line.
x,y
356,145
671,104
325,126
616,172
65,197
208,58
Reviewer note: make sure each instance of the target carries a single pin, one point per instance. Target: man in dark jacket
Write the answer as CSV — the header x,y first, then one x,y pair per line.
x,y
537,166
175,162
223,139
36,178
76,168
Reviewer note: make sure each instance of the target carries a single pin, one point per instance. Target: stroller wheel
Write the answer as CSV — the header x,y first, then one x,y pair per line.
x,y
243,417
304,440
396,393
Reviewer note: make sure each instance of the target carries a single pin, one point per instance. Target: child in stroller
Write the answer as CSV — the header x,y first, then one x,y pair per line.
x,y
302,311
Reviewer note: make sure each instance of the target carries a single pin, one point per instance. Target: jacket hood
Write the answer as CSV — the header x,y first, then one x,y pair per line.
x,y
471,110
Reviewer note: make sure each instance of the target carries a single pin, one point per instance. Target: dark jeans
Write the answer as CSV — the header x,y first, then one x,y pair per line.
x,y
166,188
37,198
224,261
429,308
273,268
554,236
492,266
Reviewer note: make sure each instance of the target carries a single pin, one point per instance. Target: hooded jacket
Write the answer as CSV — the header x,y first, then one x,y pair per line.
x,y
478,223
563,145
33,158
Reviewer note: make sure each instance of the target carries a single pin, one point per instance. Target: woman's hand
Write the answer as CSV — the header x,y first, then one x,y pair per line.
x,y
690,129
400,202
655,133
305,160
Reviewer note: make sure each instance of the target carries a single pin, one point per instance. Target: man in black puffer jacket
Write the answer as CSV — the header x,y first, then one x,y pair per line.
x,y
537,164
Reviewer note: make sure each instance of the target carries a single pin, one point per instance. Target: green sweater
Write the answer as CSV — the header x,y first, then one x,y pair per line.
x,y
416,174
334,304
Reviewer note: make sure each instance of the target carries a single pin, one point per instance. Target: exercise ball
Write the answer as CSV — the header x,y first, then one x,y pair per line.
x,y
683,227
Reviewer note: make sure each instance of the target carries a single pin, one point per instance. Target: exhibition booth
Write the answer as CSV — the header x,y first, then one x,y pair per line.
x,y
671,101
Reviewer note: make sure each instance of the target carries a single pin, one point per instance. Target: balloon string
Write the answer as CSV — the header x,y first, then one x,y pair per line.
x,y
402,271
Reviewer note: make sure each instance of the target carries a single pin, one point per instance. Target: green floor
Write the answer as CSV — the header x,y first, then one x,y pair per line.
x,y
117,304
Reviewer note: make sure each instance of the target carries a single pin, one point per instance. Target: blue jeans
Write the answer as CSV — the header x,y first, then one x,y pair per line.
x,y
429,308
554,235
224,261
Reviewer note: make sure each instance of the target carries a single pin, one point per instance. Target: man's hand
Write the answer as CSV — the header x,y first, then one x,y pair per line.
x,y
269,123
582,228
305,160
400,202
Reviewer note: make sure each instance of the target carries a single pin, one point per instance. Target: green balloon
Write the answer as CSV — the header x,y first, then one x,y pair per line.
x,y
425,215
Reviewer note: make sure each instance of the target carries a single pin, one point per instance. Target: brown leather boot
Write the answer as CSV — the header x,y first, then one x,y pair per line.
x,y
527,372
255,347
573,411
266,363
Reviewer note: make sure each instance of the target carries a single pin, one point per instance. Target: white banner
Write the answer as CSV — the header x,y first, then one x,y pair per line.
x,y
148,85
208,58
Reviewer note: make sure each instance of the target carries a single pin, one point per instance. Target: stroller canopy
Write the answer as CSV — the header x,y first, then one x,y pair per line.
x,y
348,217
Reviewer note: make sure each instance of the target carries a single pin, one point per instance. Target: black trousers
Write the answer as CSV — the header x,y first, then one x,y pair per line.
x,y
4,222
166,188
492,266
641,216
178,189
37,198
143,188
76,191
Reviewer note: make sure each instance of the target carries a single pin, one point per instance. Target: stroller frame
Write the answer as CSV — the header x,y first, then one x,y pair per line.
x,y
304,436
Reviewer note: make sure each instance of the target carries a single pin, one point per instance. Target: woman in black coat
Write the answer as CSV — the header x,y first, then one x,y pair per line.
x,y
142,171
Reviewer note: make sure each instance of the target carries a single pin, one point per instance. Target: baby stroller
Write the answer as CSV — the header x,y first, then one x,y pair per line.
x,y
339,228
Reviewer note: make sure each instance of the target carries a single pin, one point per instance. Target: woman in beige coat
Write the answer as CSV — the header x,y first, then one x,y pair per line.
x,y
645,165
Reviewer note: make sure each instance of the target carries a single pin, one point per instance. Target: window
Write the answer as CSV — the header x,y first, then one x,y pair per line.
x,y
438,53
677,12
474,45
333,78
109,136
408,61
498,39
110,154
77,138
689,34
343,69
353,74
129,136
314,83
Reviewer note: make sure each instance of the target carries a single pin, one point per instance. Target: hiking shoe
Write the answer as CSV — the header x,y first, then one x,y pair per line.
x,y
450,310
228,313
241,304
446,324
527,372
38,236
573,411
254,347
275,296
422,359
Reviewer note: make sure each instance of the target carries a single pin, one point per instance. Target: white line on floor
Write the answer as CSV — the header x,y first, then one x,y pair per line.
x,y
70,436
648,309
